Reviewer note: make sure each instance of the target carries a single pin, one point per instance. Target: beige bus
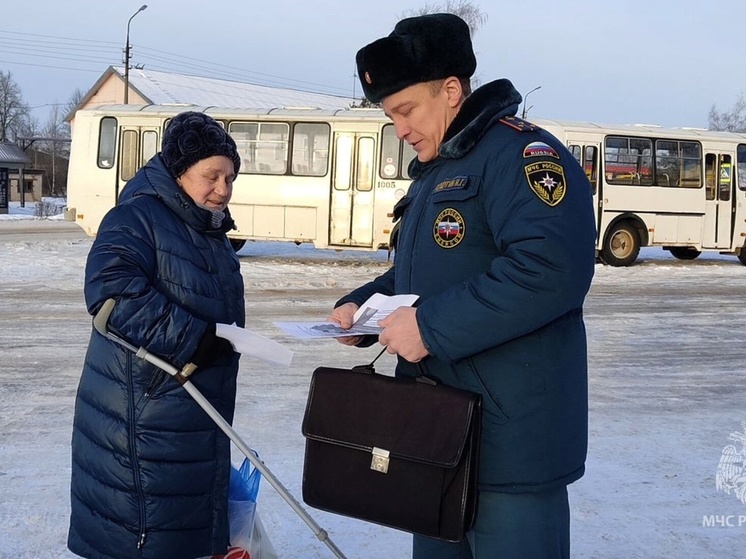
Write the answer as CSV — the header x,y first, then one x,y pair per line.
x,y
331,178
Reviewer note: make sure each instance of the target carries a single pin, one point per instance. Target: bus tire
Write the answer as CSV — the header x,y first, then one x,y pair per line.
x,y
621,245
742,255
237,244
684,253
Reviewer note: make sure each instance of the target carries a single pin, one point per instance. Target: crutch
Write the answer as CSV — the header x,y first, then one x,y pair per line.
x,y
100,323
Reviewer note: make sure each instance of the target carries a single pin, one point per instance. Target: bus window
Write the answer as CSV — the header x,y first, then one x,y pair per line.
x,y
628,161
678,163
149,146
365,154
710,173
310,149
396,155
106,140
590,166
129,157
263,146
576,152
408,154
724,178
343,163
389,153
741,162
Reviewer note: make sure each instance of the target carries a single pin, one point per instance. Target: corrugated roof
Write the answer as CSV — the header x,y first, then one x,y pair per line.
x,y
164,87
11,154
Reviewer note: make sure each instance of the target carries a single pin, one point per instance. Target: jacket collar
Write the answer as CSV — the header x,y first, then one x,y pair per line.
x,y
478,113
155,180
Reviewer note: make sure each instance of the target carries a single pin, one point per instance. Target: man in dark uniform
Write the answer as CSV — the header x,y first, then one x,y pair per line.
x,y
496,236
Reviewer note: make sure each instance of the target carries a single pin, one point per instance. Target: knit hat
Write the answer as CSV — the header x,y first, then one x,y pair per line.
x,y
419,49
191,137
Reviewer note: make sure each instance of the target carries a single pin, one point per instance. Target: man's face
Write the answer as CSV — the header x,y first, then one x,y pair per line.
x,y
421,116
209,182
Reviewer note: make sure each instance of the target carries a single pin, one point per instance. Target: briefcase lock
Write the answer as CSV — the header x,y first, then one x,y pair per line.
x,y
380,460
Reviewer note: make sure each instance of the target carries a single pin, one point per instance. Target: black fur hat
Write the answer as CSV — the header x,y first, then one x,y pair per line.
x,y
419,49
191,137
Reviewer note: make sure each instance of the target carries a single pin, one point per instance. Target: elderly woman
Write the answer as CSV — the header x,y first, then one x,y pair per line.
x,y
150,469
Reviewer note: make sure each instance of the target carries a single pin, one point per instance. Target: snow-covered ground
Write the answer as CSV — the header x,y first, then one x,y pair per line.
x,y
667,389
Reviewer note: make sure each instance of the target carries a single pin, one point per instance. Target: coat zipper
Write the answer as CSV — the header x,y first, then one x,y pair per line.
x,y
133,451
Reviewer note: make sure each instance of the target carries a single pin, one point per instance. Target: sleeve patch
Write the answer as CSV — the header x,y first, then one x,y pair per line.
x,y
539,149
547,180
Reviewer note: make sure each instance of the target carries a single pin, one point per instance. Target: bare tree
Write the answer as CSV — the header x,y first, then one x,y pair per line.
x,y
466,10
55,129
13,111
73,101
733,120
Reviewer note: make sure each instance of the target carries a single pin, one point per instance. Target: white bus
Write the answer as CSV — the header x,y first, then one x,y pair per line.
x,y
307,175
681,189
332,177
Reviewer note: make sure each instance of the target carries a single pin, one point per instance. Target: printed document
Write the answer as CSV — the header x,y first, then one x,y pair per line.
x,y
365,319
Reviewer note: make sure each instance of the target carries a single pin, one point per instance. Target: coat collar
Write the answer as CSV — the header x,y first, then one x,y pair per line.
x,y
155,180
479,111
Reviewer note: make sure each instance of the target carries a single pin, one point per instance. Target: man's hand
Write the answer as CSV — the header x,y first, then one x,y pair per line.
x,y
401,335
342,315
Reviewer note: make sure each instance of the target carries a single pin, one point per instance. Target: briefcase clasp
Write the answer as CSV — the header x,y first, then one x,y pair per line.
x,y
380,460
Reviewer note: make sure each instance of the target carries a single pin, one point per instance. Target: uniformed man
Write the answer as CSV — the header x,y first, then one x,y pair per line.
x,y
497,238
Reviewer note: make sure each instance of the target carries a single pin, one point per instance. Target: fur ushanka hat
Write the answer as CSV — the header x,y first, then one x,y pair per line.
x,y
191,137
419,49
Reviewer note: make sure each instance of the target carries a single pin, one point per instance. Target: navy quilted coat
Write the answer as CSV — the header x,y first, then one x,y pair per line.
x,y
150,469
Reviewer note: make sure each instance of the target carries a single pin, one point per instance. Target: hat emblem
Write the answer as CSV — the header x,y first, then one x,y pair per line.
x,y
368,80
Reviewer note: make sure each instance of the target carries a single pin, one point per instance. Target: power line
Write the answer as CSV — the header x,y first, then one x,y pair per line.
x,y
162,61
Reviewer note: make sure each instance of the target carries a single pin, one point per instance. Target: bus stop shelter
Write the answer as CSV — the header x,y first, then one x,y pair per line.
x,y
11,157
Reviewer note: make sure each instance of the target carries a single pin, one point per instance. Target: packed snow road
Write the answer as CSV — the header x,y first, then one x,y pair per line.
x,y
667,390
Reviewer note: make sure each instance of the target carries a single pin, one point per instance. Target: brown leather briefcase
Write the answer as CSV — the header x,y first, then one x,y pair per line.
x,y
398,452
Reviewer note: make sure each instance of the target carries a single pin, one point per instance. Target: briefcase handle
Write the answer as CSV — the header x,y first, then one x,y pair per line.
x,y
370,368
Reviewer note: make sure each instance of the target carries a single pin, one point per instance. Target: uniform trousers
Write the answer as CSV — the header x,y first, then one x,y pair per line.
x,y
509,526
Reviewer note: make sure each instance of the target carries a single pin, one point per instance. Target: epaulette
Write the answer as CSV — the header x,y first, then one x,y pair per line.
x,y
519,124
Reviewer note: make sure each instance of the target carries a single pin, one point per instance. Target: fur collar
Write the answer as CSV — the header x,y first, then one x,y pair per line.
x,y
479,111
488,103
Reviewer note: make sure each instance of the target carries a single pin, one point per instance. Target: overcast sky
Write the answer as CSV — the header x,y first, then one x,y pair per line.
x,y
632,61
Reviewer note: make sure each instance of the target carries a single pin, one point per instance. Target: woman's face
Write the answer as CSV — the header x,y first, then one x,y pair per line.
x,y
209,182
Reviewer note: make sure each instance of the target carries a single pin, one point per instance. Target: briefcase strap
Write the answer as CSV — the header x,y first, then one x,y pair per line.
x,y
370,368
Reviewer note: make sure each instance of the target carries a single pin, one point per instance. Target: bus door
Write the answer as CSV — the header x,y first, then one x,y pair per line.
x,y
719,201
352,196
136,146
587,155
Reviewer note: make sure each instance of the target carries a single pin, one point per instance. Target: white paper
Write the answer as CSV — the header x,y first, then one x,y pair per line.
x,y
378,307
365,320
250,343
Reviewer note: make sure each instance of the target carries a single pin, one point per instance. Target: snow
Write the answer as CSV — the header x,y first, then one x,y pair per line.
x,y
666,391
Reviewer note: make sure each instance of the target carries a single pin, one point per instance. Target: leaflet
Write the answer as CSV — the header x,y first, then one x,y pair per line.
x,y
365,319
250,343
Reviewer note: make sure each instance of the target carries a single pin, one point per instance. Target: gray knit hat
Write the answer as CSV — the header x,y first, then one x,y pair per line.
x,y
191,137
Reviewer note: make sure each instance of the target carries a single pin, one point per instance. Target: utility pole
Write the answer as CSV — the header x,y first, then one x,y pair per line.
x,y
127,57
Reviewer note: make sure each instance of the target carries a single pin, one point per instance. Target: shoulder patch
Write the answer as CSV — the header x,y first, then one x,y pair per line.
x,y
519,124
547,181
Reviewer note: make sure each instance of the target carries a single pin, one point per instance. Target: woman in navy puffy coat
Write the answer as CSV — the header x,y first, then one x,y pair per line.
x,y
150,469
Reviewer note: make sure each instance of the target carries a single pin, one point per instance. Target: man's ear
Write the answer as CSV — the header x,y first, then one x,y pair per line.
x,y
454,91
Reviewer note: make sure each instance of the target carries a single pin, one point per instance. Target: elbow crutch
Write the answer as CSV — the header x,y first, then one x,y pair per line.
x,y
100,323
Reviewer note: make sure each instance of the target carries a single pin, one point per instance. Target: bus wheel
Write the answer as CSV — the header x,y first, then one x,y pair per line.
x,y
684,253
237,244
742,255
621,246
